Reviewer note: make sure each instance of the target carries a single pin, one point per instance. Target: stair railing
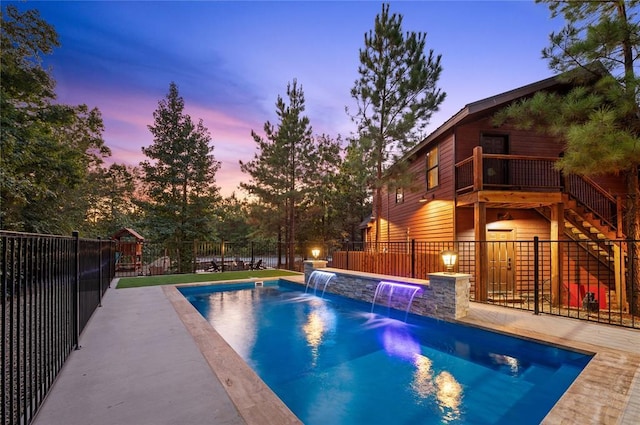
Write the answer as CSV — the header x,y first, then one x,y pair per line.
x,y
595,199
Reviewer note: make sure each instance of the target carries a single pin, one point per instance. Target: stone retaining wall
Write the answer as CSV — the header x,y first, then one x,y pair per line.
x,y
443,296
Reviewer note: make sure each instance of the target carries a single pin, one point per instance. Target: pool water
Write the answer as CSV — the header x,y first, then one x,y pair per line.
x,y
332,361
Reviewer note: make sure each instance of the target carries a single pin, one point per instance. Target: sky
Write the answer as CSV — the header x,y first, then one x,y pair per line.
x,y
232,59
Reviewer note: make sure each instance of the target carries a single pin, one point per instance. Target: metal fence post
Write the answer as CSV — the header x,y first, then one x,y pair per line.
x,y
536,275
76,292
413,258
99,271
222,254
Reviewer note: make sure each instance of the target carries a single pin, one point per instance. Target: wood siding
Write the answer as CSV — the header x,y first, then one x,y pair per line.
x,y
521,142
431,215
432,220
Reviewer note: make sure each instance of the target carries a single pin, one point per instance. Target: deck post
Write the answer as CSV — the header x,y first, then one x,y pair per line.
x,y
557,231
478,170
619,217
619,276
480,229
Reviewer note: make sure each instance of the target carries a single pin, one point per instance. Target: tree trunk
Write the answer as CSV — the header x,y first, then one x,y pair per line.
x,y
292,239
279,247
633,234
377,214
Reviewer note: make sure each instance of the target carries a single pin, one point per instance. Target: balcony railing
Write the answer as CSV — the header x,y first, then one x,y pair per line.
x,y
525,173
595,199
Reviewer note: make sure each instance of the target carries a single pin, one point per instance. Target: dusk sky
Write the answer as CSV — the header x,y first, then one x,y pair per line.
x,y
231,60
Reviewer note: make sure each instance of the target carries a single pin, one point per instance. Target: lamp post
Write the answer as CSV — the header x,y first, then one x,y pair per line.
x,y
315,252
449,258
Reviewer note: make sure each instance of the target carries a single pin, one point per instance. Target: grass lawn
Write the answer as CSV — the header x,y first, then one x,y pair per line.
x,y
172,279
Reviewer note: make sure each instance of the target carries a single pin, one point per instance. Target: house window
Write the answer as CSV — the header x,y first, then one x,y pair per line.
x,y
432,168
399,195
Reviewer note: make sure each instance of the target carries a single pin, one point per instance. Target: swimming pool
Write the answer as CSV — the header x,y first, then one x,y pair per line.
x,y
334,362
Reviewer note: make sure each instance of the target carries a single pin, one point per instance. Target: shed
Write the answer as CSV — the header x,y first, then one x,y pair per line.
x,y
128,250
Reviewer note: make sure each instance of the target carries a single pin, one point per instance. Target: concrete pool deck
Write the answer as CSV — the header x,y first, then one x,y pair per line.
x,y
147,357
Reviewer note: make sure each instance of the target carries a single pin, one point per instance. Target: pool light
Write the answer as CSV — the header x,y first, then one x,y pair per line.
x,y
449,259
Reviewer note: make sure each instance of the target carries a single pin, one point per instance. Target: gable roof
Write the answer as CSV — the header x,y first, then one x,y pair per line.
x,y
493,103
127,231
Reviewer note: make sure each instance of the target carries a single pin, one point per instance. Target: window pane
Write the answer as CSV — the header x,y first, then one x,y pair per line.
x,y
432,168
432,178
399,196
432,158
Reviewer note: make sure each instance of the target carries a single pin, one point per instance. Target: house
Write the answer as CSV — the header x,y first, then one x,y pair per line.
x,y
498,185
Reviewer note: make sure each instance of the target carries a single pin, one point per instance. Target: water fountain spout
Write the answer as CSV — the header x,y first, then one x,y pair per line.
x,y
390,287
319,277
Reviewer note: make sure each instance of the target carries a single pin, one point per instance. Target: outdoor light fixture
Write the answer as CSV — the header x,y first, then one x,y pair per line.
x,y
315,252
426,198
449,259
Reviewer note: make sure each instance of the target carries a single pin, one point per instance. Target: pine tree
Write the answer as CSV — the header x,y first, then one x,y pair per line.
x,y
179,177
354,200
320,222
600,121
284,160
112,194
396,96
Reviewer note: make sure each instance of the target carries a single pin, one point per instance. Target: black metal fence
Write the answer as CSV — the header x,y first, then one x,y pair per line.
x,y
582,279
51,285
198,256
516,274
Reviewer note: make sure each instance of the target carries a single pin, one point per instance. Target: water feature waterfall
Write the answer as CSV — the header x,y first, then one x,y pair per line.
x,y
319,277
390,288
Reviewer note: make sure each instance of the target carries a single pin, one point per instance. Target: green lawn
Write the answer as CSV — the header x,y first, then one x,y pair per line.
x,y
172,279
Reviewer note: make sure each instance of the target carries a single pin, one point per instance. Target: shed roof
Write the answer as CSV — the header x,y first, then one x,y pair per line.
x,y
127,231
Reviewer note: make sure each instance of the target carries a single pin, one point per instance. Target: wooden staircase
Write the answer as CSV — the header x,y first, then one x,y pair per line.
x,y
581,226
596,236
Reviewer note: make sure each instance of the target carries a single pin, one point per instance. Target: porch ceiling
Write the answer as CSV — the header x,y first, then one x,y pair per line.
x,y
509,199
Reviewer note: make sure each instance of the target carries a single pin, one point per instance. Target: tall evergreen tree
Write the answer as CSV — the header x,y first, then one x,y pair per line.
x,y
179,177
112,194
396,95
284,160
234,224
320,219
354,192
48,149
600,121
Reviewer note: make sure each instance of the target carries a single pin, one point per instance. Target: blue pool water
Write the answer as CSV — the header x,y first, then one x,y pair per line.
x,y
332,361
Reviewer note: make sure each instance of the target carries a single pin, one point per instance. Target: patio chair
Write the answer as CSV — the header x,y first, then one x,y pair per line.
x,y
237,264
257,266
214,267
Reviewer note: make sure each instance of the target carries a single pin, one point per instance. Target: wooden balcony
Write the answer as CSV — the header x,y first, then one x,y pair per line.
x,y
517,181
508,181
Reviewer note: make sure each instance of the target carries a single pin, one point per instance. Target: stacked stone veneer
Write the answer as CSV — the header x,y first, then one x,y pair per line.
x,y
443,296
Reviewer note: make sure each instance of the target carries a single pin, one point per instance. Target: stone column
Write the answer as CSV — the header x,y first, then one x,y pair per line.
x,y
450,294
310,266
